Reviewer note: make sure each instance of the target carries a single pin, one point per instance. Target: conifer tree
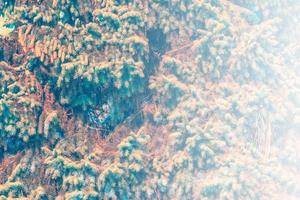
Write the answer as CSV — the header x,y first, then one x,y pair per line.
x,y
157,99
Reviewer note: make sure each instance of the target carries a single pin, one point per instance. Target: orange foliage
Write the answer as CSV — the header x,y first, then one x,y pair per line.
x,y
7,165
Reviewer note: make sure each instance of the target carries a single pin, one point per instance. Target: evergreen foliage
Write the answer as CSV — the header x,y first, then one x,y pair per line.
x,y
153,99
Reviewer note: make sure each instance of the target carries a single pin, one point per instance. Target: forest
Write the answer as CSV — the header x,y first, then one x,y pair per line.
x,y
149,99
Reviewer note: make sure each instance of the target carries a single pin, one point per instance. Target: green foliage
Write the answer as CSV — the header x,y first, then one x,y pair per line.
x,y
81,79
12,189
225,103
38,194
71,175
124,179
18,107
219,114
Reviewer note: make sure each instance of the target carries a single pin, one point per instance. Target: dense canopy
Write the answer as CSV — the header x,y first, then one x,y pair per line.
x,y
149,99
